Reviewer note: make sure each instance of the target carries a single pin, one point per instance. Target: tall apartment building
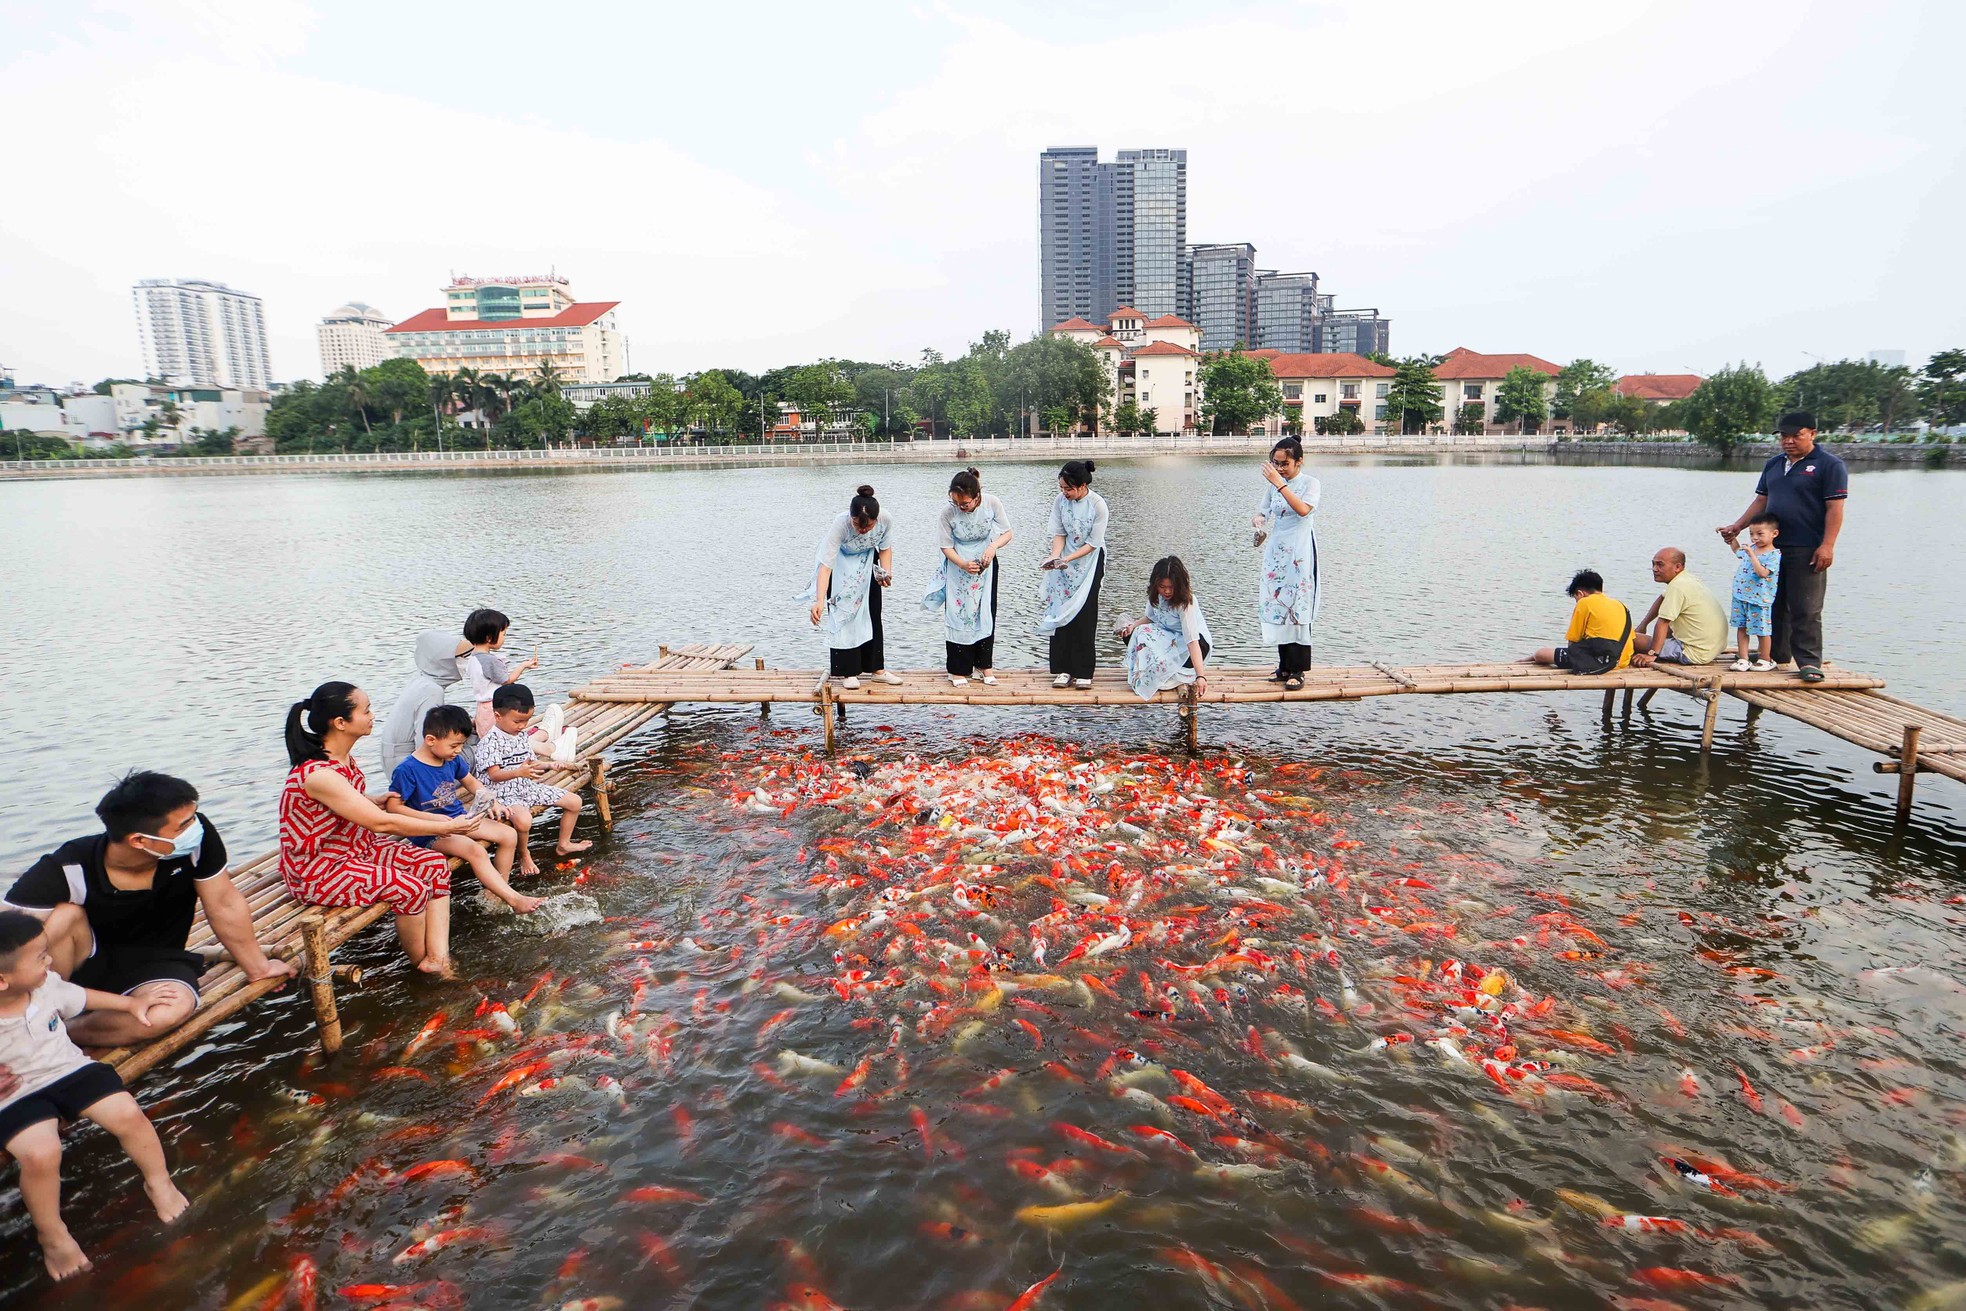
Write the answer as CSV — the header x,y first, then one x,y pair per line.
x,y
1223,289
513,325
352,338
195,332
1112,234
1287,309
1357,332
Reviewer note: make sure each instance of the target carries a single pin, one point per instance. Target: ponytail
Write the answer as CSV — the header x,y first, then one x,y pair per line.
x,y
1077,473
327,703
967,483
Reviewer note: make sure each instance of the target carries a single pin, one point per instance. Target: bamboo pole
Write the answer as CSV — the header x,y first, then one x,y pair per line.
x,y
1625,711
1193,713
601,790
1712,694
826,713
1907,771
764,707
320,978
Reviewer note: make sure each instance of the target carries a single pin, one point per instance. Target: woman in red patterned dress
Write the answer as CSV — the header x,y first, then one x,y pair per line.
x,y
339,848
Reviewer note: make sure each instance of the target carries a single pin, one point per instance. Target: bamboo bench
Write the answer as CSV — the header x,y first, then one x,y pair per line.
x,y
308,935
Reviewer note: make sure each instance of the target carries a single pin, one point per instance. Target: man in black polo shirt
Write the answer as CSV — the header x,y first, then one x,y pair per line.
x,y
1804,488
118,907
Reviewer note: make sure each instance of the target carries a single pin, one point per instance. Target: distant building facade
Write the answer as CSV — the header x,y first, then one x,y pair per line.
x,y
1659,388
1288,307
201,333
1112,233
352,338
1153,362
1223,279
1354,332
1472,378
1319,384
512,326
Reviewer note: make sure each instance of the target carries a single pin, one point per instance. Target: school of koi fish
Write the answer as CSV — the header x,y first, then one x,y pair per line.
x,y
1039,1028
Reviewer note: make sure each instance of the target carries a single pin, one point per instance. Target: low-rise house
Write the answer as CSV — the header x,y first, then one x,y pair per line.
x,y
1471,378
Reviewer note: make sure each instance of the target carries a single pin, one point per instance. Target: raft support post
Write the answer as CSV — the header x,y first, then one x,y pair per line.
x,y
1907,771
764,707
1192,695
1712,693
320,979
601,789
826,713
1625,710
1610,700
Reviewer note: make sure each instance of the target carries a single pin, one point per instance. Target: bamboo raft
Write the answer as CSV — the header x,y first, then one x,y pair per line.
x,y
309,934
1914,740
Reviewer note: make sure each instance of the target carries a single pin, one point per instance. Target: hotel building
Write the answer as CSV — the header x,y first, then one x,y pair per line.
x,y
512,326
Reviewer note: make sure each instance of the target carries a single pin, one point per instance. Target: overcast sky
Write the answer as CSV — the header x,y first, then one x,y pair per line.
x,y
1663,187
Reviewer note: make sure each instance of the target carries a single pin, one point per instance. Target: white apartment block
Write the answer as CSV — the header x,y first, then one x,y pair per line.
x,y
199,333
352,338
1155,363
512,326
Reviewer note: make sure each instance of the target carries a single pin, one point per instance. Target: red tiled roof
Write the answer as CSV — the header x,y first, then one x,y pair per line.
x,y
1659,386
1104,342
573,316
1263,353
1125,312
1169,321
1076,325
1464,363
1162,348
1337,364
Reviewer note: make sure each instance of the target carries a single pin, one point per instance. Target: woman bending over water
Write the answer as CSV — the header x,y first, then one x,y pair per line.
x,y
964,586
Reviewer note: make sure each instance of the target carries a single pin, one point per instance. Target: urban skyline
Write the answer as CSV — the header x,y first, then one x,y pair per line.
x,y
896,214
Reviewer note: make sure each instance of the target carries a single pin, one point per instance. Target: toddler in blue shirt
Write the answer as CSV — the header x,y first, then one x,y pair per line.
x,y
435,780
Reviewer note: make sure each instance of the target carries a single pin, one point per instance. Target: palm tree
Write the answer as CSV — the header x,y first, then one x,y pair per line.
x,y
468,387
358,396
546,379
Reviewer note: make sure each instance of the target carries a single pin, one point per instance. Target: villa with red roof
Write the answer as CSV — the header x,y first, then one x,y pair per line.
x,y
1154,363
1659,388
513,326
1472,378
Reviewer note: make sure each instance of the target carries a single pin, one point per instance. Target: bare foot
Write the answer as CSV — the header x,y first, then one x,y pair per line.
x,y
527,870
63,1256
438,965
170,1203
525,905
568,848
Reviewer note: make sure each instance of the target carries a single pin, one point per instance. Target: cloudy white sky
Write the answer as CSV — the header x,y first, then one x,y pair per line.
x,y
1663,186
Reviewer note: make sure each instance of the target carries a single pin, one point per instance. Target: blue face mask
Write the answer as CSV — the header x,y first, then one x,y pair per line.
x,y
185,843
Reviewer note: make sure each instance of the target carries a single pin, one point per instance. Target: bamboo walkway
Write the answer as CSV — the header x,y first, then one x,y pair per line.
x,y
309,934
1914,740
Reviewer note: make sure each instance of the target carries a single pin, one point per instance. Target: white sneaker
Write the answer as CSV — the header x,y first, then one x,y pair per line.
x,y
1081,683
1763,666
891,679
989,680
958,680
851,684
1742,666
1063,680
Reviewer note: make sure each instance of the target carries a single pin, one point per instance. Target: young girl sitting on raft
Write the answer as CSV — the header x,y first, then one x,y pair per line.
x,y
508,760
1167,648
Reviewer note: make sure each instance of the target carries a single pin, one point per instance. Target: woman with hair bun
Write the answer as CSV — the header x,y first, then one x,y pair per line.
x,y
846,603
339,848
1072,575
1289,598
964,586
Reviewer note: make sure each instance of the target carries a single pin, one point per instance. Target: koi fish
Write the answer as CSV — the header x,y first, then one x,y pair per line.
x,y
437,1242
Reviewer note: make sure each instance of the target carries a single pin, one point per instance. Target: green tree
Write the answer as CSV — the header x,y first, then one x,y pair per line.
x,y
396,388
1589,409
1149,420
1469,420
1519,399
1126,419
1056,377
546,379
1238,392
1942,394
210,441
712,401
1413,400
1344,423
1628,414
1731,406
1897,394
821,392
972,402
1578,379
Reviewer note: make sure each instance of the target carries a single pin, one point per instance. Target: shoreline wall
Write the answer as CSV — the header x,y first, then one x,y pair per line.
x,y
760,455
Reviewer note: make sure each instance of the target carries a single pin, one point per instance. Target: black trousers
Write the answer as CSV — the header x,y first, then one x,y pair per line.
x,y
870,655
1798,611
1294,657
1074,648
965,658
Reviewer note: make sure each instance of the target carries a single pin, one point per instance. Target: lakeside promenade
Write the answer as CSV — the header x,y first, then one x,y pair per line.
x,y
754,455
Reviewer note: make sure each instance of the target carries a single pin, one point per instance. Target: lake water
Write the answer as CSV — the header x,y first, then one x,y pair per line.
x,y
168,623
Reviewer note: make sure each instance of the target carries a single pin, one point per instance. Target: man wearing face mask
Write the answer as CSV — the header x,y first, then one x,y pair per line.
x,y
118,907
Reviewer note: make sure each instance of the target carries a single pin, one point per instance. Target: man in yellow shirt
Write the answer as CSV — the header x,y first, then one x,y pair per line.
x,y
1600,632
1685,626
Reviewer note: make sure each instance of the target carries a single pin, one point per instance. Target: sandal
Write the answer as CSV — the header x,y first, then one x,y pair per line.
x,y
1763,666
1082,683
957,680
1061,680
850,684
1742,666
1294,683
989,680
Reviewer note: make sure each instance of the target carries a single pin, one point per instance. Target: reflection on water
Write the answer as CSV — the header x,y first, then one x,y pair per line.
x,y
1746,909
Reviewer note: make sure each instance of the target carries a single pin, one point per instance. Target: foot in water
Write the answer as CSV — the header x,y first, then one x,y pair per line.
x,y
63,1256
569,848
170,1203
440,966
525,905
